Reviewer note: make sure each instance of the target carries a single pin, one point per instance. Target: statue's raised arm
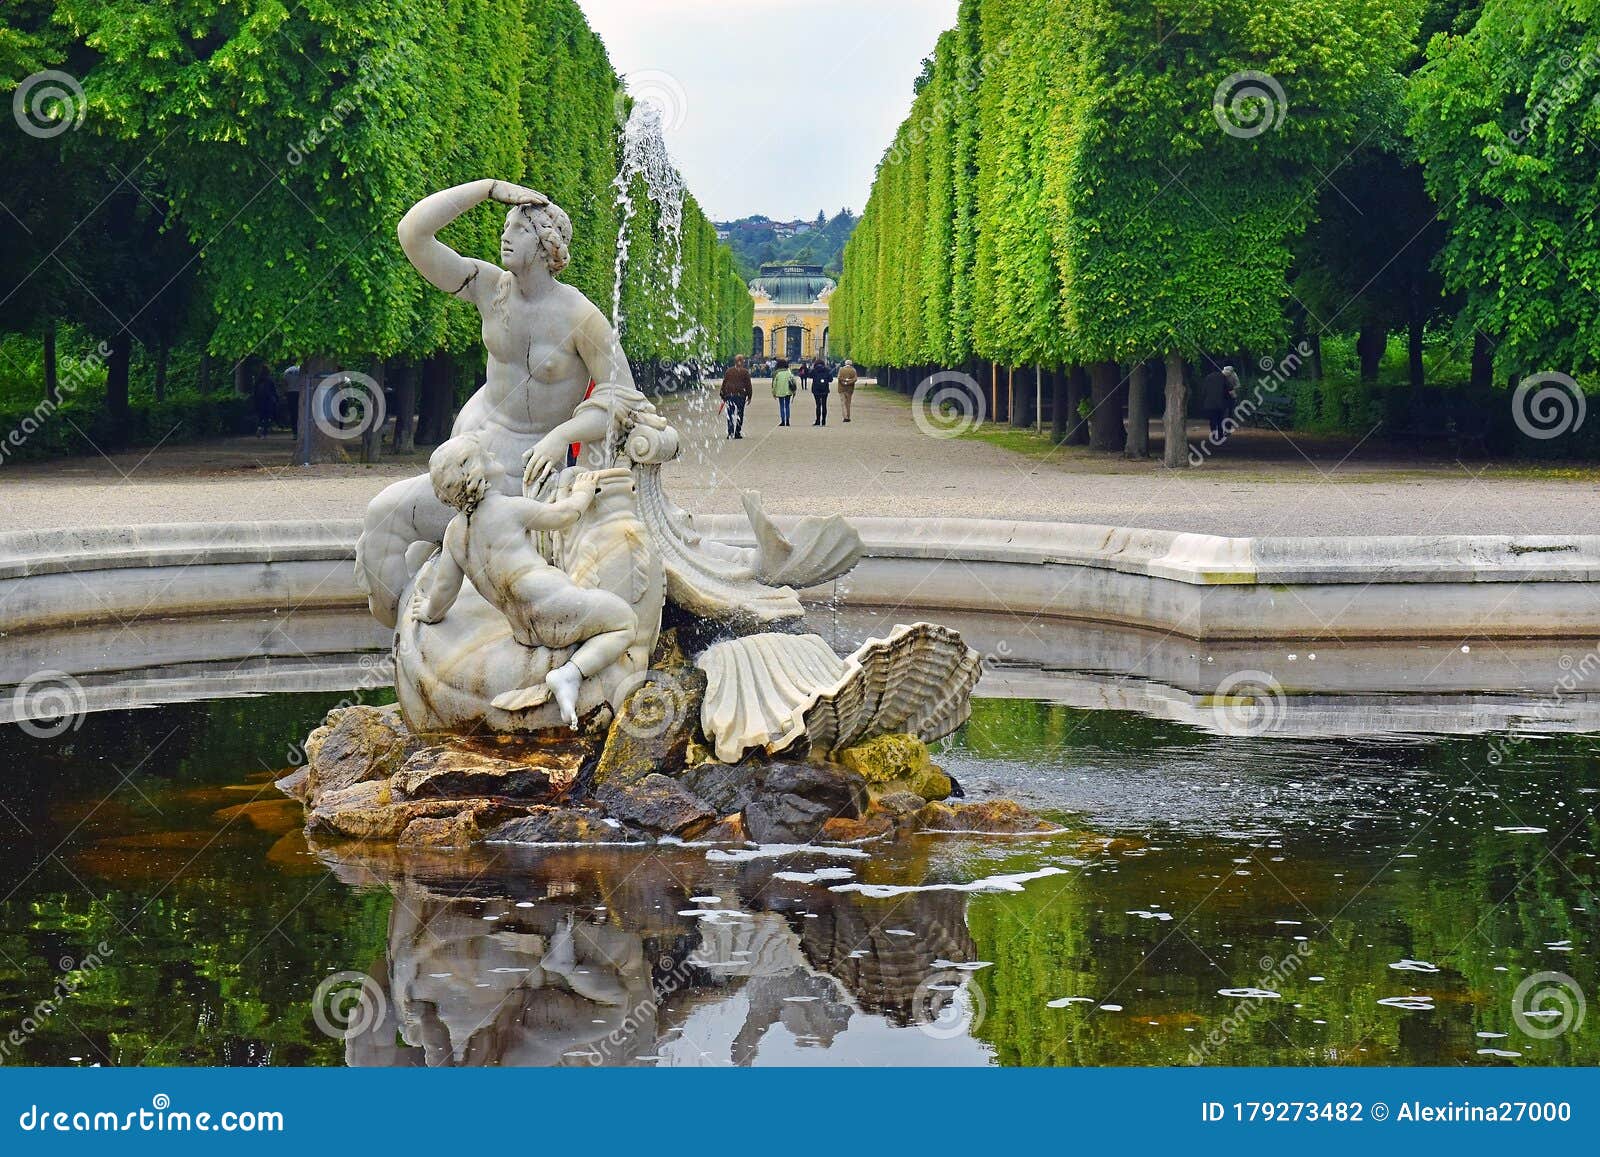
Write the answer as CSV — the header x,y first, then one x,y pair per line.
x,y
444,268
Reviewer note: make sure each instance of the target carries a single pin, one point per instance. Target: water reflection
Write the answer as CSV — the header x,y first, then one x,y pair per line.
x,y
651,958
1396,894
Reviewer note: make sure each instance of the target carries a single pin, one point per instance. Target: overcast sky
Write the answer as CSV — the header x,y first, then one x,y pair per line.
x,y
781,107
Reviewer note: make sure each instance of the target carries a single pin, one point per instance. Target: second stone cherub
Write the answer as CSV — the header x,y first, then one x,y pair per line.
x,y
491,541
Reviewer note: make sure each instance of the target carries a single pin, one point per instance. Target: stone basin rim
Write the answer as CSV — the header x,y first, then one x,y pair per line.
x,y
1197,585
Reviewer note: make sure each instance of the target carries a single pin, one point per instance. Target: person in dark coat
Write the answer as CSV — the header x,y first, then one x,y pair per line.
x,y
1214,394
264,395
736,392
821,381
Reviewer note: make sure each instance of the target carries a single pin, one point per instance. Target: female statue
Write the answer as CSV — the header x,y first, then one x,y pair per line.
x,y
546,342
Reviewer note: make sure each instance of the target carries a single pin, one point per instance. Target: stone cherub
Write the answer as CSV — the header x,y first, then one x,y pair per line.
x,y
491,539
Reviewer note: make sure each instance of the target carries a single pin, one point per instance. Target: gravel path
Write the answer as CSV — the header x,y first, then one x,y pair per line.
x,y
879,464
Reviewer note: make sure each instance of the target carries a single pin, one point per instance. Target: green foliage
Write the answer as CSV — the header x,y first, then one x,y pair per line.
x,y
270,149
1504,118
756,241
1069,194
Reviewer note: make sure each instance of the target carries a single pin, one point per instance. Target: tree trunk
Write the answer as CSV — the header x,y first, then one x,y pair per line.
x,y
372,421
1105,420
1370,344
204,376
163,357
52,382
1316,357
1058,406
1022,393
404,377
117,387
438,400
1077,391
1138,444
1482,361
1414,346
1176,452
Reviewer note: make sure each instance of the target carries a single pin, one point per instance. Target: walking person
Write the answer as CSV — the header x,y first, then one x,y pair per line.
x,y
783,387
736,391
804,374
847,385
821,381
1215,391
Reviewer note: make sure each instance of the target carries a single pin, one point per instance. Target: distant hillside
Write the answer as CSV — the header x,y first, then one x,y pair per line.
x,y
757,240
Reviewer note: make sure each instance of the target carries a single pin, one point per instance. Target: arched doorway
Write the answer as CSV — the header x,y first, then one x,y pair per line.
x,y
793,347
758,342
824,350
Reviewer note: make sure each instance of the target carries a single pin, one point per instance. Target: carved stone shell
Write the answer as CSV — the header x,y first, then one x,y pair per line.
x,y
771,690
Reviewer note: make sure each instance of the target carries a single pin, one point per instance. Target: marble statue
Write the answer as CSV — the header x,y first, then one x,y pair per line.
x,y
527,589
556,375
545,343
491,538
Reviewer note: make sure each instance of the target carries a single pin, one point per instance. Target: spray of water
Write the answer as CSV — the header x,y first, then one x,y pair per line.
x,y
647,178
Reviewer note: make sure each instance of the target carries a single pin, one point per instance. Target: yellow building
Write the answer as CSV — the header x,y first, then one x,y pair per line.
x,y
791,312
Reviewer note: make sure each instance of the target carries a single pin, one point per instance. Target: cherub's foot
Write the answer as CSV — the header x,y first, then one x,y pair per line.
x,y
564,682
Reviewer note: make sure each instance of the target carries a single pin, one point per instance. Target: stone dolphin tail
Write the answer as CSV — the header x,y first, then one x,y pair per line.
x,y
818,549
742,587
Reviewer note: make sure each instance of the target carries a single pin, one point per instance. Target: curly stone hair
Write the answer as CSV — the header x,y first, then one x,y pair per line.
x,y
554,230
459,471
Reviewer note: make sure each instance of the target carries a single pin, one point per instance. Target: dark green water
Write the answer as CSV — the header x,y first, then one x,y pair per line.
x,y
1196,863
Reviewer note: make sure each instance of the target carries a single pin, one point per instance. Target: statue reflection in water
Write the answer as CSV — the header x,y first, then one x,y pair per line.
x,y
650,959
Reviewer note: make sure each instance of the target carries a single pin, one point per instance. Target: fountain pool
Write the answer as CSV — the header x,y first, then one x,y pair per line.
x,y
1317,893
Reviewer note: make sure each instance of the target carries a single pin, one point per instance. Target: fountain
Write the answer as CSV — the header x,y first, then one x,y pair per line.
x,y
574,661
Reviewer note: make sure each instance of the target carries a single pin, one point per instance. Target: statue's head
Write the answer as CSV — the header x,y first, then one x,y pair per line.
x,y
536,233
463,472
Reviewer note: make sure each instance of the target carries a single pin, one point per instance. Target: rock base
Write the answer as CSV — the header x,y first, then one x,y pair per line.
x,y
369,778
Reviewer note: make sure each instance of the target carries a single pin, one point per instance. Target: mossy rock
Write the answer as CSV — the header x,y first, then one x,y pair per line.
x,y
888,757
894,763
655,727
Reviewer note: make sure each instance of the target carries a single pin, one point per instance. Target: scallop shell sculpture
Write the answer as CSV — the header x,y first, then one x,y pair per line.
x,y
918,682
771,690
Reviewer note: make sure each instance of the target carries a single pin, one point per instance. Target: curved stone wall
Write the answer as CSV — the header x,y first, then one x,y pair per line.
x,y
1198,586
